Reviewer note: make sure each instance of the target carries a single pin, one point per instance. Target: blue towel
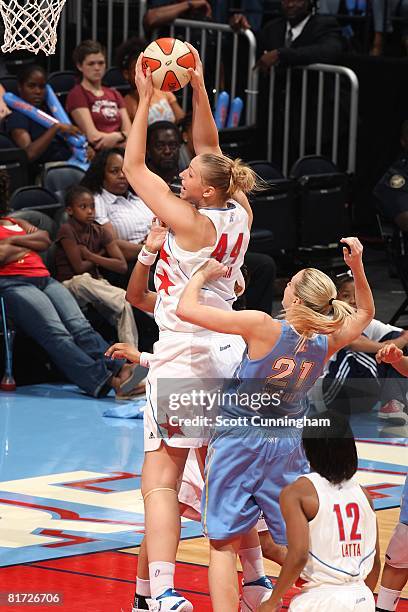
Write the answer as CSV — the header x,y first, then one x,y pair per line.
x,y
127,410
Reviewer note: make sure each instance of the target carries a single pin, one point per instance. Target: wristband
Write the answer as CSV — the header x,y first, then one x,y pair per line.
x,y
144,359
146,257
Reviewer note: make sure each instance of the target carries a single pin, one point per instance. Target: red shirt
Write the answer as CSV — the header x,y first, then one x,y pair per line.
x,y
29,265
105,110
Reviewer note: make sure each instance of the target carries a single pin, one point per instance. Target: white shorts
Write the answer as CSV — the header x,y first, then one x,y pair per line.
x,y
397,551
180,361
191,488
345,598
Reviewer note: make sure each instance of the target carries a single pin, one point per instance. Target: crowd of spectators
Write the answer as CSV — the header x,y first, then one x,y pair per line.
x,y
106,223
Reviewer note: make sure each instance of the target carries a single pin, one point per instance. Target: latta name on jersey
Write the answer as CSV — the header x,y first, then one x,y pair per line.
x,y
351,550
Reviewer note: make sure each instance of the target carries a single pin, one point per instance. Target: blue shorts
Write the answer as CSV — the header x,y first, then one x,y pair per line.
x,y
244,476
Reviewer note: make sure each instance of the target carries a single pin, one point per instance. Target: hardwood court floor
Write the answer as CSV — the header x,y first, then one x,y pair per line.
x,y
71,510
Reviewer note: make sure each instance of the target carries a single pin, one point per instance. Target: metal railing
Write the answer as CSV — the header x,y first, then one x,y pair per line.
x,y
222,33
74,12
322,70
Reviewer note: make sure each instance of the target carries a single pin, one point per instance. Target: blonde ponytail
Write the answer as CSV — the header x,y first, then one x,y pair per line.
x,y
320,311
228,175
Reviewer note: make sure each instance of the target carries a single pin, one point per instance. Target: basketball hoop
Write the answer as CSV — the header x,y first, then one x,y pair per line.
x,y
30,24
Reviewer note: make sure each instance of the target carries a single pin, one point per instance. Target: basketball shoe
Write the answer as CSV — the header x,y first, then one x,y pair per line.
x,y
254,593
170,600
140,604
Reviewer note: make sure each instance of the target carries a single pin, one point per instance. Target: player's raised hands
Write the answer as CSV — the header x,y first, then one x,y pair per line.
x,y
389,354
156,238
352,252
123,350
143,79
212,270
197,73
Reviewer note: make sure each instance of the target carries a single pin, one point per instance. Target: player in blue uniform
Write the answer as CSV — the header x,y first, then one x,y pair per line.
x,y
395,572
249,459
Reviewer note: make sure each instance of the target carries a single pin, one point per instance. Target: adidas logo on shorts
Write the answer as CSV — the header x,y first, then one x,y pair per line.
x,y
151,435
223,348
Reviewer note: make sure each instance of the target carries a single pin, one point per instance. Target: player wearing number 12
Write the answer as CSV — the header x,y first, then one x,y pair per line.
x,y
247,467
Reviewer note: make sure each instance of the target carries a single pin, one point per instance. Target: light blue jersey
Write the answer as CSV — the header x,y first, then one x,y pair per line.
x,y
404,504
283,375
246,473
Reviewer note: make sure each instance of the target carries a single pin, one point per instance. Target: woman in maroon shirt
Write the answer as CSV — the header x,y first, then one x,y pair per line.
x,y
97,110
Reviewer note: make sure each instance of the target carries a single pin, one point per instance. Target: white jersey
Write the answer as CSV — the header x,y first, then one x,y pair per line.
x,y
342,535
176,266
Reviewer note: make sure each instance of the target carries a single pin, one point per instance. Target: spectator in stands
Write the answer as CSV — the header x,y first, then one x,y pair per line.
x,y
41,144
163,148
117,208
164,105
83,248
392,189
300,37
159,13
97,110
47,312
353,373
394,7
4,110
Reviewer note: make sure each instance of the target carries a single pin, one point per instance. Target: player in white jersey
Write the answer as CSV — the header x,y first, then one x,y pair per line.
x,y
395,572
331,528
212,217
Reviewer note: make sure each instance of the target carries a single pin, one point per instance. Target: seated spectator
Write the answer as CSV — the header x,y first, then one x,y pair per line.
x,y
41,144
163,105
163,149
97,110
83,248
4,110
47,312
300,37
159,14
392,189
354,370
116,207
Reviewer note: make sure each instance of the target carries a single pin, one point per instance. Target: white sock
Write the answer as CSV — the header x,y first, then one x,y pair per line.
x,y
142,587
252,563
388,599
161,577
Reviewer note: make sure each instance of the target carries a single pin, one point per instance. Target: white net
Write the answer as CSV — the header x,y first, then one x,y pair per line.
x,y
30,24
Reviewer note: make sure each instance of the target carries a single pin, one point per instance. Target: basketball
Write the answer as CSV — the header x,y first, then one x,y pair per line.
x,y
169,60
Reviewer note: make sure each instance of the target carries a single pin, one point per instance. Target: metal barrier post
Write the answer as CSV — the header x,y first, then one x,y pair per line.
x,y
252,78
322,69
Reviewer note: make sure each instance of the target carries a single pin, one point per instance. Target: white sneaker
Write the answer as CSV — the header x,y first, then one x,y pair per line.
x,y
255,593
393,412
170,600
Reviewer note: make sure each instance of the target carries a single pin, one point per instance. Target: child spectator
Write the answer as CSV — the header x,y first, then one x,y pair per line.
x,y
164,105
46,311
355,366
99,111
83,247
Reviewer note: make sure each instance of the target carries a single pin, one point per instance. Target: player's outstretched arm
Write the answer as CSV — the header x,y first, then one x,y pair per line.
x,y
354,325
393,355
246,323
205,133
297,531
155,192
138,292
